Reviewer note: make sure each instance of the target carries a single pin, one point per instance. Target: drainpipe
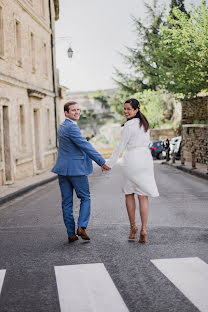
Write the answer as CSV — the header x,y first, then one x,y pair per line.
x,y
53,70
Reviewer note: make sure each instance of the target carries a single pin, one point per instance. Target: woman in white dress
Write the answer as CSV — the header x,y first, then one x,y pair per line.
x,y
137,166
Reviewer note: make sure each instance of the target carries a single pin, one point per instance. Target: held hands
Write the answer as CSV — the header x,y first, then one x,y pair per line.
x,y
104,167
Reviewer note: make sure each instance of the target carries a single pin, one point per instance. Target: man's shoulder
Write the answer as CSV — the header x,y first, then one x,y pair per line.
x,y
69,128
69,124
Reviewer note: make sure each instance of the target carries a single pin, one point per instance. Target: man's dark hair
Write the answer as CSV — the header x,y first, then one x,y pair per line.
x,y
66,106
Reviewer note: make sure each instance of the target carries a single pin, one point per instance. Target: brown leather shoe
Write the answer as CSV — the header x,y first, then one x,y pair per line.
x,y
81,232
72,238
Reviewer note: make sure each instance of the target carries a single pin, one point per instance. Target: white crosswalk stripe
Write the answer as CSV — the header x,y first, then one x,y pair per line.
x,y
2,275
190,276
87,288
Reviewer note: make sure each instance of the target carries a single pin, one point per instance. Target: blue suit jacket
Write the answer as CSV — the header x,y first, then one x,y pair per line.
x,y
75,152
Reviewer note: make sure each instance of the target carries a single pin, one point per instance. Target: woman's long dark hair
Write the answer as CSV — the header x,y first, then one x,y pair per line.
x,y
143,120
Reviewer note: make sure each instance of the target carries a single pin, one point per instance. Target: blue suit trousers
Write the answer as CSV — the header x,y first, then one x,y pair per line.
x,y
81,186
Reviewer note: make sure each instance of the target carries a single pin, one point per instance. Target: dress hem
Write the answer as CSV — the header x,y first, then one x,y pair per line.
x,y
141,194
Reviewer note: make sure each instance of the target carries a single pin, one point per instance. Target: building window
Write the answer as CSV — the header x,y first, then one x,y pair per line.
x,y
22,134
32,48
18,42
45,61
1,33
48,127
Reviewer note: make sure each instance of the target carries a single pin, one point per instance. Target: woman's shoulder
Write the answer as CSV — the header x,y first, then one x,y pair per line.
x,y
130,122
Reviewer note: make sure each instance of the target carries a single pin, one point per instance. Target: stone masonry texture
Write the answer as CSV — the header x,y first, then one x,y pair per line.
x,y
27,115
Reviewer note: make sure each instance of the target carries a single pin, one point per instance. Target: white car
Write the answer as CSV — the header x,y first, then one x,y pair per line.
x,y
175,144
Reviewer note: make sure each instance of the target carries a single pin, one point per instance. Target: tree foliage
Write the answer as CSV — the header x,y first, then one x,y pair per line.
x,y
142,63
100,96
117,100
182,54
142,60
171,54
177,4
153,106
156,105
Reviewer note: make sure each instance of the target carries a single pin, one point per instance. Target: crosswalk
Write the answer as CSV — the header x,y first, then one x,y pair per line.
x,y
2,275
89,287
190,276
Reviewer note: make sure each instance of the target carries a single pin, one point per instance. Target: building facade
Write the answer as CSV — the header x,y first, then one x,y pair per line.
x,y
28,98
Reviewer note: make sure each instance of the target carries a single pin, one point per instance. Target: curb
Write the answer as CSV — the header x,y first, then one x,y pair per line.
x,y
188,170
25,190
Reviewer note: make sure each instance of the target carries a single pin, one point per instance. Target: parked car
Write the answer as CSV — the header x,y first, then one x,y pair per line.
x,y
157,149
175,145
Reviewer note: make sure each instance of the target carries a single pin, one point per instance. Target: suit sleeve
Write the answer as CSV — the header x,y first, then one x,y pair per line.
x,y
75,135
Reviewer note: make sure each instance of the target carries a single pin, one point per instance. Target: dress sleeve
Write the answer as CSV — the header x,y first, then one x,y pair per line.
x,y
122,144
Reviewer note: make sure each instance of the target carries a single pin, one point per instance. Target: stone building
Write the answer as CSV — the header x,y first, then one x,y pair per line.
x,y
62,99
27,88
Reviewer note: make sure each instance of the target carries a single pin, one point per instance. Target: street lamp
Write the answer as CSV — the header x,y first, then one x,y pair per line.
x,y
70,52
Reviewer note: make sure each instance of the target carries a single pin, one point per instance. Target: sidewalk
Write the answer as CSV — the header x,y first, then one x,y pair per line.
x,y
20,187
200,171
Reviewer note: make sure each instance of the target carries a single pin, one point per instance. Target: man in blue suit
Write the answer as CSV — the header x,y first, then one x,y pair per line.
x,y
74,163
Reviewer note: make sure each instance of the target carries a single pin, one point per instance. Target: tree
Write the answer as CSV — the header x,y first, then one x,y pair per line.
x,y
158,106
101,97
152,105
177,4
141,60
182,55
117,100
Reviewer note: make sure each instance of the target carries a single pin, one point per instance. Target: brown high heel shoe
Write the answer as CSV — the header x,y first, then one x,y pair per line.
x,y
133,231
143,237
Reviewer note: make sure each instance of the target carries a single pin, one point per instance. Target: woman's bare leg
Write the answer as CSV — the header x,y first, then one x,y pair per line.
x,y
131,208
144,212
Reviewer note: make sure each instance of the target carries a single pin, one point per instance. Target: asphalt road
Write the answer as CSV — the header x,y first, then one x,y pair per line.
x,y
33,240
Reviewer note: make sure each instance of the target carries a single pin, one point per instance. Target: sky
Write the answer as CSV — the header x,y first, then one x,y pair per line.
x,y
98,31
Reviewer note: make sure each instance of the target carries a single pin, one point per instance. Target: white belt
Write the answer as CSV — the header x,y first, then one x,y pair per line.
x,y
136,147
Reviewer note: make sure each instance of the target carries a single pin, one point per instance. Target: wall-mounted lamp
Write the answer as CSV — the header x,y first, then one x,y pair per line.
x,y
70,52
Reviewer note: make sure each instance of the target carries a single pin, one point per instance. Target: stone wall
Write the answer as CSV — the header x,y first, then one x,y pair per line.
x,y
25,142
194,109
195,139
195,136
24,169
49,160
